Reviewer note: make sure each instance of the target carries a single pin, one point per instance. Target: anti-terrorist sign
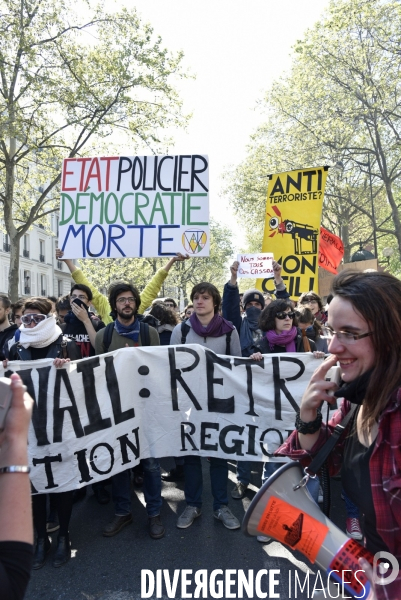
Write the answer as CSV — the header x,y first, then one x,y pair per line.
x,y
98,416
117,206
292,227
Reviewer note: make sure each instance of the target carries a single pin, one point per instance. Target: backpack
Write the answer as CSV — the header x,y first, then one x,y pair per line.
x,y
143,332
185,329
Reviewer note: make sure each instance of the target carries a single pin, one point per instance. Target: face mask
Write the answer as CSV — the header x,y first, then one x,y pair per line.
x,y
253,313
309,329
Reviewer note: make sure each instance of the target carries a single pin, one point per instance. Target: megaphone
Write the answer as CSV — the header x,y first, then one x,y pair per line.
x,y
284,510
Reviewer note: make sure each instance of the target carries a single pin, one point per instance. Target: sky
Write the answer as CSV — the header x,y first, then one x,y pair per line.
x,y
236,50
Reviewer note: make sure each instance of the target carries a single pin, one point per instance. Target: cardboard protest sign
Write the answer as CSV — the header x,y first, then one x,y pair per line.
x,y
292,227
254,265
331,251
133,206
98,416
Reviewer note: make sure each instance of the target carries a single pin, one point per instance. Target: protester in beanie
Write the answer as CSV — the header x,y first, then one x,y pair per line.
x,y
41,337
207,328
247,324
315,304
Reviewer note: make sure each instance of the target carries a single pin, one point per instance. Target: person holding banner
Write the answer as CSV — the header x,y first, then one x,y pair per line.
x,y
41,337
101,302
129,331
207,328
364,328
247,325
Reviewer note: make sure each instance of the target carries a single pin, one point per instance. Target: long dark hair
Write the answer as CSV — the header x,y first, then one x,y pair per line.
x,y
267,318
377,298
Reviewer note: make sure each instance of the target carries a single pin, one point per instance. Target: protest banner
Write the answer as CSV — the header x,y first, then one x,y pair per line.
x,y
133,206
292,227
100,415
331,251
253,265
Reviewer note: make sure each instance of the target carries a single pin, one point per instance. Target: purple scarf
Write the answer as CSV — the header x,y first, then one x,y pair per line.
x,y
286,338
216,328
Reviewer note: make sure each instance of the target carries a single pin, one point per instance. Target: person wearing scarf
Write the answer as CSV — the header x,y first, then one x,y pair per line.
x,y
45,340
209,329
79,324
125,301
364,328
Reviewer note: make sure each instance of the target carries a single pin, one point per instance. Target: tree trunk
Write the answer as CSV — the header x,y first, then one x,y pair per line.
x,y
15,236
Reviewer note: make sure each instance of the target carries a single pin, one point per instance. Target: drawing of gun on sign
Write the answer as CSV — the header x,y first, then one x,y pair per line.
x,y
304,236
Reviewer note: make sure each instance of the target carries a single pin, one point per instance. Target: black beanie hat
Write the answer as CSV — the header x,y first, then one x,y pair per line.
x,y
253,295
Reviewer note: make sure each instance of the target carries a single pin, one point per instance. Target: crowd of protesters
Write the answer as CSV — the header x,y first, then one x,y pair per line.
x,y
86,323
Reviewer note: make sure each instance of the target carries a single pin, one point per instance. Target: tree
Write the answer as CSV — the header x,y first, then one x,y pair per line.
x,y
182,277
67,83
340,104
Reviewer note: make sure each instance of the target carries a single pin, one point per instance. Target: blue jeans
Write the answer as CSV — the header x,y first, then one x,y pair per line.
x,y
194,481
313,484
244,471
152,488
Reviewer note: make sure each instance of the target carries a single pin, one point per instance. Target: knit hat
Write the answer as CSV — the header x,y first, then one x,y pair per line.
x,y
253,295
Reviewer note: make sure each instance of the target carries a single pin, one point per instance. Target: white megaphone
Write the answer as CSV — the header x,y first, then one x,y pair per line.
x,y
285,511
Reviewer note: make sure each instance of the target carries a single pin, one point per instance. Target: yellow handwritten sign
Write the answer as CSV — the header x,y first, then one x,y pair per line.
x,y
292,227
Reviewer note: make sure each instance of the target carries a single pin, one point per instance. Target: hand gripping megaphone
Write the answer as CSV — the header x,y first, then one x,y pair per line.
x,y
285,511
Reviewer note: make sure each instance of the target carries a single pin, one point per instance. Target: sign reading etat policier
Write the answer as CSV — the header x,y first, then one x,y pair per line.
x,y
133,206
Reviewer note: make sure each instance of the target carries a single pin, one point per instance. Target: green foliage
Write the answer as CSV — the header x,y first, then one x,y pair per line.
x,y
340,105
67,82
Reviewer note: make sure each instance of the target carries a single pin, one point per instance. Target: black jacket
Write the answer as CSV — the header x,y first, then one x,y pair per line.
x,y
61,348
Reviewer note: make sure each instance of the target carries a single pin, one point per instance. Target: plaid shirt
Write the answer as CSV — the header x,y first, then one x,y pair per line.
x,y
385,475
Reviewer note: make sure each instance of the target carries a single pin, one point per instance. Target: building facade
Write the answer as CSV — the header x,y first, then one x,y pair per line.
x,y
41,274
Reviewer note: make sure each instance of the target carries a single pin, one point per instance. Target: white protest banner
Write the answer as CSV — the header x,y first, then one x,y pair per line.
x,y
98,416
118,206
259,264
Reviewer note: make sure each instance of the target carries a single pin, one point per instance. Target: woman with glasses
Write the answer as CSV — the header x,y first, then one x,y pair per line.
x,y
41,337
279,323
364,327
314,302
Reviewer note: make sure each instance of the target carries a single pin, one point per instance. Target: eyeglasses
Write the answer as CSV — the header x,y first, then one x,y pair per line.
x,y
310,301
346,337
83,298
27,319
129,300
284,315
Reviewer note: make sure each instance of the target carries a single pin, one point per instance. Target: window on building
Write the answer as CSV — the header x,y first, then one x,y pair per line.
x,y
43,285
42,251
59,287
25,250
27,283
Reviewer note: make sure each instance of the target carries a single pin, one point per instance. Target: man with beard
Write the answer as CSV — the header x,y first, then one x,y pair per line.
x,y
7,331
128,331
250,336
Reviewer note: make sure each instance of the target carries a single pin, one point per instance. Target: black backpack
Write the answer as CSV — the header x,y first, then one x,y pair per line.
x,y
185,329
143,332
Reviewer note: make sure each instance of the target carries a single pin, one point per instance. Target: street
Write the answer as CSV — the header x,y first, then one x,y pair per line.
x,y
110,568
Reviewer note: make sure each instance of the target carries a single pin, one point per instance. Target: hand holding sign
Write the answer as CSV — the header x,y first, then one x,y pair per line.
x,y
255,265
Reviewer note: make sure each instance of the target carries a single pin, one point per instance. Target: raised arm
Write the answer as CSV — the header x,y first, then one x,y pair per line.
x,y
153,288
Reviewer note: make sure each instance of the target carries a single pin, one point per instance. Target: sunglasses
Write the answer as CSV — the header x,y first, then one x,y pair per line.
x,y
27,319
284,315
